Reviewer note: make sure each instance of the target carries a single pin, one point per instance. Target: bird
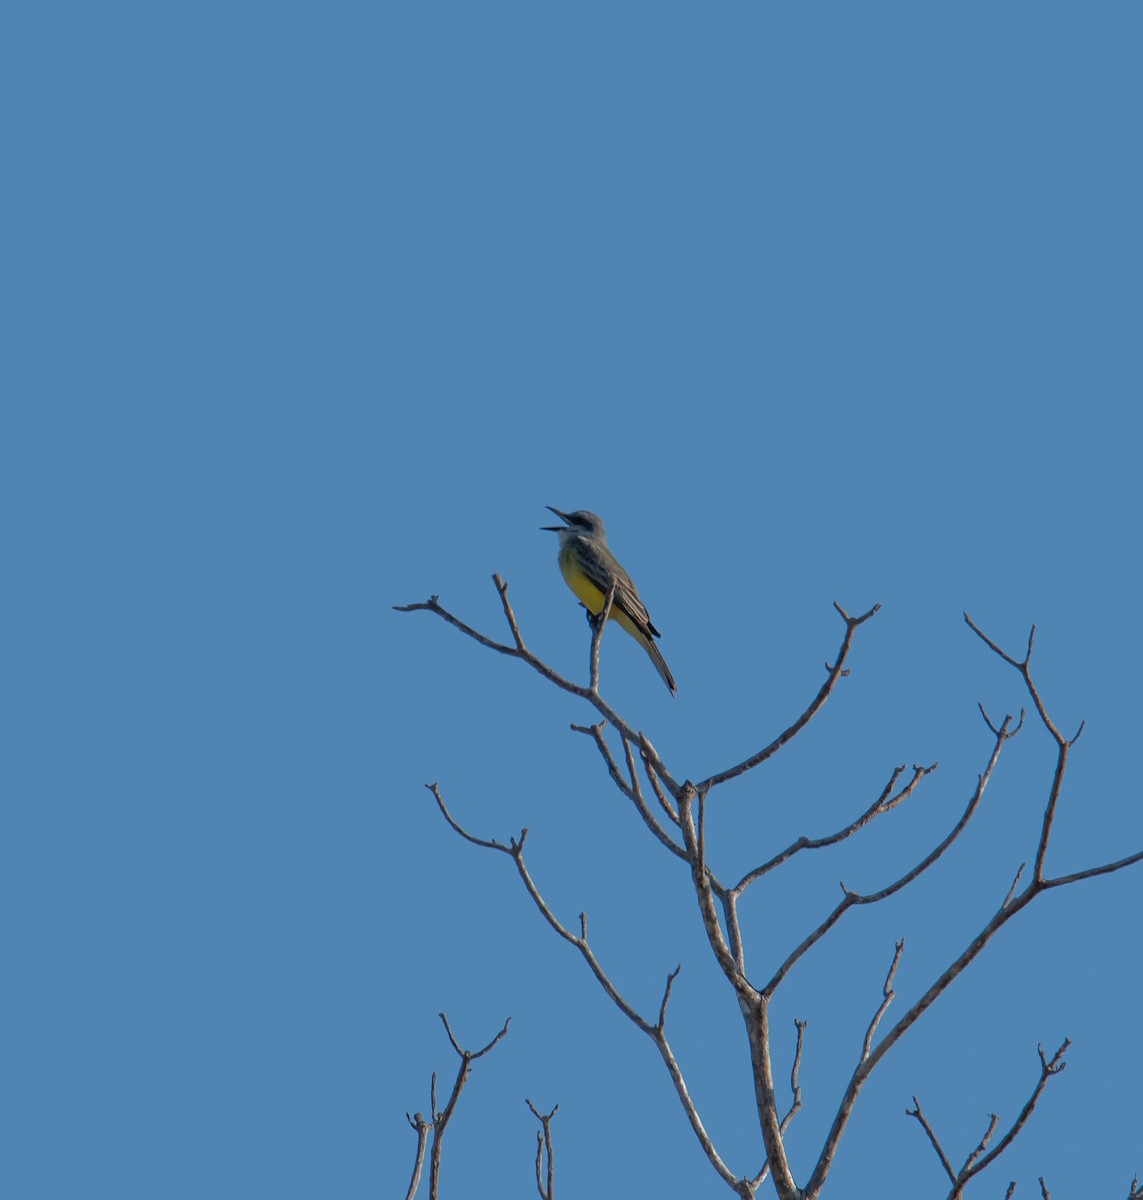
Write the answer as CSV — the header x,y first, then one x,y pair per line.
x,y
591,570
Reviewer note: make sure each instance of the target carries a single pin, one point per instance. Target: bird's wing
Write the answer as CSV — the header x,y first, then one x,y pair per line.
x,y
626,595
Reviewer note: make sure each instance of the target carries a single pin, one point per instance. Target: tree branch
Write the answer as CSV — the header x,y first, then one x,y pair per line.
x,y
887,994
521,652
421,1127
544,1144
795,1086
631,787
883,804
597,623
1048,1068
915,1111
441,1118
796,1102
977,1159
655,1031
834,674
853,899
694,838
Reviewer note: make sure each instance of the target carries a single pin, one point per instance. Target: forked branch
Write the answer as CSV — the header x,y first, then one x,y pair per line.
x,y
981,1157
519,650
545,1180
655,1030
852,899
796,1101
441,1117
886,802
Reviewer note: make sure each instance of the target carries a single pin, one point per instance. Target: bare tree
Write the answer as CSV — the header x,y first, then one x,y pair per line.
x,y
675,814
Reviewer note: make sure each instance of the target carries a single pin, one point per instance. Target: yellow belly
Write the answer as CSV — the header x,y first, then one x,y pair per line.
x,y
586,591
591,597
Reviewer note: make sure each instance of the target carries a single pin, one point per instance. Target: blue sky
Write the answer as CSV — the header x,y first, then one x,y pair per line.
x,y
309,312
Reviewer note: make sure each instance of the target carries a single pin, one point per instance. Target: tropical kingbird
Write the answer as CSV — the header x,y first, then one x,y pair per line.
x,y
591,571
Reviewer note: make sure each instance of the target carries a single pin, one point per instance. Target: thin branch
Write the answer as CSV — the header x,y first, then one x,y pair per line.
x,y
655,1031
694,838
884,803
795,1104
544,1144
887,994
597,623
509,615
1048,1068
864,1068
667,997
422,1128
441,1118
834,674
641,804
854,899
660,795
915,1111
795,1086
1011,1190
521,652
1063,745
981,1146
473,1055
978,1160
629,787
1092,872
1015,885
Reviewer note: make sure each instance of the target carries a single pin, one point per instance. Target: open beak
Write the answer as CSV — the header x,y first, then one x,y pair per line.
x,y
556,528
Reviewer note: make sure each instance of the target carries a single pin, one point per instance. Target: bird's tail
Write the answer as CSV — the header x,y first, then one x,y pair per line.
x,y
660,663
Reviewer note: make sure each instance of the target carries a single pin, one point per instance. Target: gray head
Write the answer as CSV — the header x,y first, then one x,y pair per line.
x,y
582,522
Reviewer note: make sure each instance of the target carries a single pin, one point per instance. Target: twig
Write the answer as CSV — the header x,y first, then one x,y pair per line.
x,y
660,795
629,787
694,838
654,1030
915,1111
795,1086
521,652
796,1103
1015,885
887,994
834,674
597,624
544,1144
1063,745
441,1117
977,1160
853,899
422,1128
1048,1068
883,804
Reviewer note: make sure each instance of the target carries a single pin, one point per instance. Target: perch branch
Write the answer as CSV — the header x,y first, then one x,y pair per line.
x,y
520,651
